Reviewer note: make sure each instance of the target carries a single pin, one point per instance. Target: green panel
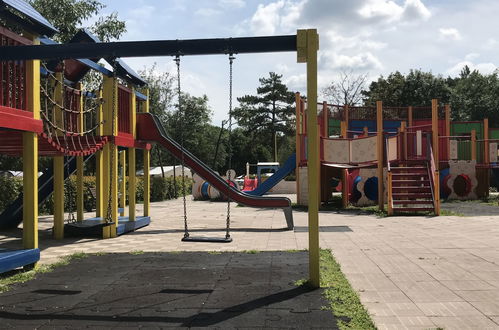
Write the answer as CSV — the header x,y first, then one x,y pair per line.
x,y
494,134
464,147
334,127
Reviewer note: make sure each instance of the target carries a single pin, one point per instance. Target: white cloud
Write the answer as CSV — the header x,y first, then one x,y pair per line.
x,y
449,34
232,3
207,12
360,41
281,15
484,68
390,11
360,61
471,56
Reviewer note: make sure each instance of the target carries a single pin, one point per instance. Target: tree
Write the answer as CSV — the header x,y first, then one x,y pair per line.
x,y
269,113
415,89
347,90
68,17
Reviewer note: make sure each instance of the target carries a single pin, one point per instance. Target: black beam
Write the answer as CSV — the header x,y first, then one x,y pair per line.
x,y
151,48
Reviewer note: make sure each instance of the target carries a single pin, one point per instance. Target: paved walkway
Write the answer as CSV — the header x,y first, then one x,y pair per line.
x,y
410,272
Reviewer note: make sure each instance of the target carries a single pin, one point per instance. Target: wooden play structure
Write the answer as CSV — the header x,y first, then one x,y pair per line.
x,y
407,157
44,110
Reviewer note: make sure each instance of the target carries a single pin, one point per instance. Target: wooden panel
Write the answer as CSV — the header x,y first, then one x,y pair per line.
x,y
336,151
363,150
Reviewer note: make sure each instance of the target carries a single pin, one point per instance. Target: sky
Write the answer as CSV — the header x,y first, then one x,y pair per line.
x,y
373,37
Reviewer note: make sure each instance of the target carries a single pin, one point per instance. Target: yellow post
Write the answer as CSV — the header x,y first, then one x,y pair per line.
x,y
58,162
110,177
379,143
123,182
147,164
298,144
99,167
473,144
79,164
30,157
307,46
131,184
434,126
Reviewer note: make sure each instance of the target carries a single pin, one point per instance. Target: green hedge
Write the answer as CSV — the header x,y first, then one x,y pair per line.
x,y
161,189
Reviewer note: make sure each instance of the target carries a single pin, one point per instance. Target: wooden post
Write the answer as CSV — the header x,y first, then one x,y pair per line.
x,y
307,46
403,140
110,91
379,143
344,131
486,155
344,188
147,164
434,126
390,199
447,128
366,131
409,116
122,156
298,145
325,120
58,161
30,156
473,144
79,163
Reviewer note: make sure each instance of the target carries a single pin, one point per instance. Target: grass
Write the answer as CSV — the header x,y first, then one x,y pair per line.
x,y
137,252
335,205
344,302
451,213
13,277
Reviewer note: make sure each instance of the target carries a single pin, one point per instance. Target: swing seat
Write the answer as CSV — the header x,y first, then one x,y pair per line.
x,y
207,239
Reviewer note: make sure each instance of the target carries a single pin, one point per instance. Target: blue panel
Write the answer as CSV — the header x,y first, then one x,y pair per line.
x,y
10,260
126,226
275,178
140,96
26,9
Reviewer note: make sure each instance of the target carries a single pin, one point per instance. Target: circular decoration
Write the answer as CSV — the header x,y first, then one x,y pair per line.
x,y
371,188
462,185
356,194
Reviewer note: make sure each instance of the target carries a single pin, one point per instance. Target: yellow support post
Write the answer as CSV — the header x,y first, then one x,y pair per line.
x,y
30,156
298,144
473,144
99,166
131,185
123,182
79,164
434,126
147,164
307,46
380,149
58,162
59,197
110,182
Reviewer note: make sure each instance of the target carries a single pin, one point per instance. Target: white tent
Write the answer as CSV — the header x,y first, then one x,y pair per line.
x,y
156,171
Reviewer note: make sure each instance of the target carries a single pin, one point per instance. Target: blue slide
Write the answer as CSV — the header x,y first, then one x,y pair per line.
x,y
12,216
288,167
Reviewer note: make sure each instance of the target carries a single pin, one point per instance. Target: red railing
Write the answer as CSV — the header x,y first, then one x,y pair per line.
x,y
124,95
13,84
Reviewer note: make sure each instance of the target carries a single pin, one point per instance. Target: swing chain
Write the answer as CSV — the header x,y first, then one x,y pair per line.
x,y
109,213
229,174
182,118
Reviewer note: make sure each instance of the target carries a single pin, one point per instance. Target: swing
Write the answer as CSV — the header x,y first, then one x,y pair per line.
x,y
206,239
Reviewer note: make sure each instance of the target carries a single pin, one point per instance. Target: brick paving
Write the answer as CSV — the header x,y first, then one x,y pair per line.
x,y
410,272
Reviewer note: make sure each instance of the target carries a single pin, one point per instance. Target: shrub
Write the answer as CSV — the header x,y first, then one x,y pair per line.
x,y
10,187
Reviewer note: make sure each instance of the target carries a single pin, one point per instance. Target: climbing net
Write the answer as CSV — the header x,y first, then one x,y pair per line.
x,y
69,114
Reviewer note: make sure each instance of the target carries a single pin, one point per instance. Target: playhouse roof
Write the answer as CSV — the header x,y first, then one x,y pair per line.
x,y
22,13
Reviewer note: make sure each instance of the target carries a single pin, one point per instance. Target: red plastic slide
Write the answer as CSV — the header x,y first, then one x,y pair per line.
x,y
149,128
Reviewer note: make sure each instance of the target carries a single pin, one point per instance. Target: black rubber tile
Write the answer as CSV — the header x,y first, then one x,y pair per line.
x,y
170,290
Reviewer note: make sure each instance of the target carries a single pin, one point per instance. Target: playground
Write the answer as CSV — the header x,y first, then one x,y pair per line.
x,y
227,256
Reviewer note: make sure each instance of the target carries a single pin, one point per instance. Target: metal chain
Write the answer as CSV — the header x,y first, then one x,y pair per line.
x,y
182,118
229,147
109,215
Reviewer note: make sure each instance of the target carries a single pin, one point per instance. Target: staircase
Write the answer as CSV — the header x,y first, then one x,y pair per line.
x,y
411,187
